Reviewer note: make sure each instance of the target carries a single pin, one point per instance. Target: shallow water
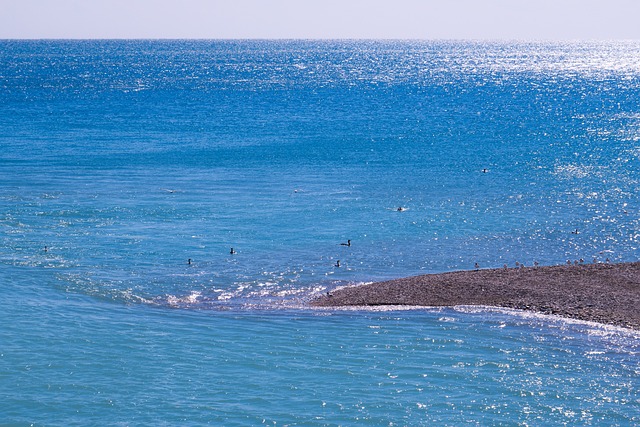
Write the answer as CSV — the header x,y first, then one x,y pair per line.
x,y
126,159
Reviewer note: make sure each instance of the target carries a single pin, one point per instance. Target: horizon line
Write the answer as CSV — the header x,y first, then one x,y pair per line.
x,y
398,39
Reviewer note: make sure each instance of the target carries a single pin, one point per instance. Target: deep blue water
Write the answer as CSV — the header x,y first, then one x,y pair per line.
x,y
122,160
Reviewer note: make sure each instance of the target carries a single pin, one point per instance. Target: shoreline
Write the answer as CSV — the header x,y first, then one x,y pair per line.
x,y
603,293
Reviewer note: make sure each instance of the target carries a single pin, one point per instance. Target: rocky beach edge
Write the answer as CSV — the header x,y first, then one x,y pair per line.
x,y
604,293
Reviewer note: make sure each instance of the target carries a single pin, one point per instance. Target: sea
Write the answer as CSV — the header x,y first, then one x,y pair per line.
x,y
168,208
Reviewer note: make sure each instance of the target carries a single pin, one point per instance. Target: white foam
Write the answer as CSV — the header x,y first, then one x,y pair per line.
x,y
595,327
192,298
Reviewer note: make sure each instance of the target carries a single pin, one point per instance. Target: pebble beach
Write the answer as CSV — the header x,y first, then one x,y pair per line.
x,y
604,293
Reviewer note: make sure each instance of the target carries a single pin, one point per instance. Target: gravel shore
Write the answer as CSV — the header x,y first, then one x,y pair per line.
x,y
604,293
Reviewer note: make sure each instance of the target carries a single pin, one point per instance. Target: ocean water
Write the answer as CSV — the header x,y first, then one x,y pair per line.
x,y
129,169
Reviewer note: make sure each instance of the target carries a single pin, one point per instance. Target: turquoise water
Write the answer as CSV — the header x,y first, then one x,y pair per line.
x,y
123,160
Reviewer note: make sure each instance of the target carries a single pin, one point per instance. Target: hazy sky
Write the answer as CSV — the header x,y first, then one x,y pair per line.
x,y
398,19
